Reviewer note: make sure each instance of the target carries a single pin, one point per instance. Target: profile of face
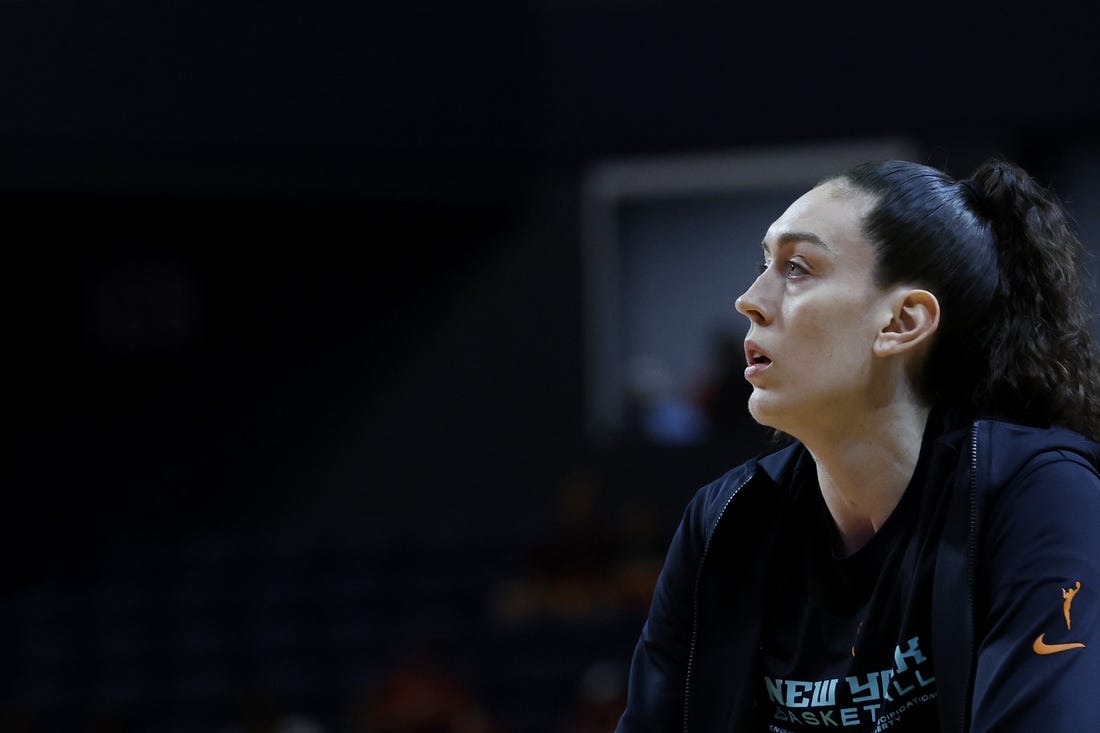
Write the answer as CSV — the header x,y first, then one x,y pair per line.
x,y
820,329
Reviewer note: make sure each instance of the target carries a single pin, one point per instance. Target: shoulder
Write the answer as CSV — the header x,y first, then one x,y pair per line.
x,y
1039,484
1007,454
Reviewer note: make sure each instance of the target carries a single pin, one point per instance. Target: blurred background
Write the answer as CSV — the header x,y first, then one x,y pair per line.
x,y
362,359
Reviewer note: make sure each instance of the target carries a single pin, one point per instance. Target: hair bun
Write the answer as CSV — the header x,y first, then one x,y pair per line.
x,y
973,194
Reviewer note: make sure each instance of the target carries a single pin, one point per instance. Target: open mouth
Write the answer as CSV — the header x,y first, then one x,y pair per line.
x,y
755,356
757,360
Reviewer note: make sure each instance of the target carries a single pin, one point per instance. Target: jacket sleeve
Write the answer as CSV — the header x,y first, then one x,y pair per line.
x,y
658,671
1038,605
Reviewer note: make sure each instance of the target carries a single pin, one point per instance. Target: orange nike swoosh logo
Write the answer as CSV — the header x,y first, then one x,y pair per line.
x,y
1041,647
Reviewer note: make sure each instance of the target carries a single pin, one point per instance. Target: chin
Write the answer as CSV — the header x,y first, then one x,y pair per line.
x,y
760,409
769,411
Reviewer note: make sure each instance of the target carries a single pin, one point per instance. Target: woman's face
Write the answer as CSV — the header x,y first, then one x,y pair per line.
x,y
814,313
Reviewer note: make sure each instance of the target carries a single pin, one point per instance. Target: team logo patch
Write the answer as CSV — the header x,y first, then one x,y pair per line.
x,y
1040,646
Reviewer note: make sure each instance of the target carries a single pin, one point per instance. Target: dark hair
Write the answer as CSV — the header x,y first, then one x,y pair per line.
x,y
998,252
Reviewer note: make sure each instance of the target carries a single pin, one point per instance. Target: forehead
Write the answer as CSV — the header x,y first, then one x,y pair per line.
x,y
833,212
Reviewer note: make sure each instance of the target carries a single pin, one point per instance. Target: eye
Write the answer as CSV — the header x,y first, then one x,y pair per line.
x,y
792,269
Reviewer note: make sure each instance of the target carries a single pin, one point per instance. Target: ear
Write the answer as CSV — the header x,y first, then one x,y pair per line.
x,y
914,317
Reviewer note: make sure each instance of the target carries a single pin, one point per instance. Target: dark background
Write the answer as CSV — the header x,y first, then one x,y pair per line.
x,y
296,287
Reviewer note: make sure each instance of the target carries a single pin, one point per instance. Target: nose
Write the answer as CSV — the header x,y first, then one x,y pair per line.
x,y
751,304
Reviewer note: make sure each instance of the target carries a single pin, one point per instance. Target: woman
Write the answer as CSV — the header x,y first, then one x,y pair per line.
x,y
924,556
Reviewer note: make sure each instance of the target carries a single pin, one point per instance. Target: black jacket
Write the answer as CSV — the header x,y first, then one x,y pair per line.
x,y
1022,523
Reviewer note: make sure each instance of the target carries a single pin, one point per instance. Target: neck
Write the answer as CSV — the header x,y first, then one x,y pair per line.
x,y
864,469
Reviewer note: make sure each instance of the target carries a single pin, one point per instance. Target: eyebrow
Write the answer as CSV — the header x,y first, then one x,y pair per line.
x,y
791,237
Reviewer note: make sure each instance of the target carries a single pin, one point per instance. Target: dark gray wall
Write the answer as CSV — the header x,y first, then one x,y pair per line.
x,y
364,223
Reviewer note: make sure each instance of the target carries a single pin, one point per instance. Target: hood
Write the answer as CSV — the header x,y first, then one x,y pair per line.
x,y
1009,447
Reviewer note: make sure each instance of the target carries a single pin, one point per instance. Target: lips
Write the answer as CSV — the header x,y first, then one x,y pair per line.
x,y
756,358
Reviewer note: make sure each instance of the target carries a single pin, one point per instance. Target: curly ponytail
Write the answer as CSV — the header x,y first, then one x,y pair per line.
x,y
999,254
1042,362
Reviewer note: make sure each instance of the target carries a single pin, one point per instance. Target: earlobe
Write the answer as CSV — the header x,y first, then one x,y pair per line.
x,y
915,316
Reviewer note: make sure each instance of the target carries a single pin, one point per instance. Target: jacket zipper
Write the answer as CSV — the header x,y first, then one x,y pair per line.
x,y
971,563
695,598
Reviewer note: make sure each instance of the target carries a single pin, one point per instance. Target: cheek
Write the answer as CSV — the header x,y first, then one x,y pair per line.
x,y
836,338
